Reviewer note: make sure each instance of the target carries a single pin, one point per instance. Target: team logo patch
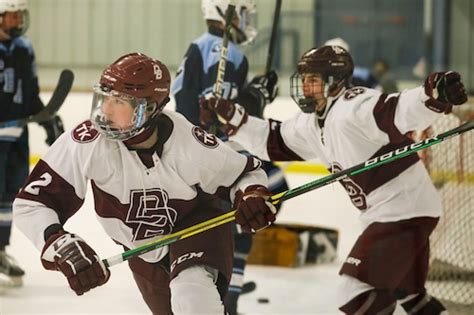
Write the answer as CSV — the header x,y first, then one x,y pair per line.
x,y
84,132
149,214
350,94
355,192
206,139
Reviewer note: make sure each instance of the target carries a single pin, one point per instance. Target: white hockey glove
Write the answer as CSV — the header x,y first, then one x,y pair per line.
x,y
80,264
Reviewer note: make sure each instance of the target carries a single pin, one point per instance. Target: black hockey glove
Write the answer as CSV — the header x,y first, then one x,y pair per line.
x,y
80,264
266,85
444,90
254,211
54,128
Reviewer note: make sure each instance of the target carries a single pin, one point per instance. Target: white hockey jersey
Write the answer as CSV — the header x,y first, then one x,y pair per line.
x,y
361,124
139,195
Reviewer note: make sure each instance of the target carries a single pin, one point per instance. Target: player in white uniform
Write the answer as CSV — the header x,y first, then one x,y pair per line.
x,y
342,127
152,173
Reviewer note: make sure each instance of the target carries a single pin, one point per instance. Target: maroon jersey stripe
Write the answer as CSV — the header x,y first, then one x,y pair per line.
x,y
276,147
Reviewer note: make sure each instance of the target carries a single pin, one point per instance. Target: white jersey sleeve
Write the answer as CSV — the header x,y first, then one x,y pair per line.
x,y
271,140
55,190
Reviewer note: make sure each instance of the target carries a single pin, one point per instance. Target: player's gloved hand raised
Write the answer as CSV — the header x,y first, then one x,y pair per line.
x,y
266,85
71,255
231,115
254,211
54,128
444,90
207,116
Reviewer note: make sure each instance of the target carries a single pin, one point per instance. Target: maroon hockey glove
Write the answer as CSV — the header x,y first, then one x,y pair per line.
x,y
254,212
207,116
231,115
71,255
444,89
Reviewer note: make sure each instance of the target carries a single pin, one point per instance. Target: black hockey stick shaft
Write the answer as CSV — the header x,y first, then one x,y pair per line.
x,y
273,36
275,199
60,93
218,89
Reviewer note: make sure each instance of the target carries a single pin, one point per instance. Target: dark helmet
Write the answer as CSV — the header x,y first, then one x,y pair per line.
x,y
141,81
333,63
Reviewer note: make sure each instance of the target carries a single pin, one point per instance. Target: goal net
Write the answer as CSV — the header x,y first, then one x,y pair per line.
x,y
451,166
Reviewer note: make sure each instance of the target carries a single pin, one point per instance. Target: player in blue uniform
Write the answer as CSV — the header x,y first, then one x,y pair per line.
x,y
195,80
19,98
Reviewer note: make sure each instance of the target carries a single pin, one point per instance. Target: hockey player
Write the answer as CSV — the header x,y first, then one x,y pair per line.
x,y
342,127
195,80
19,98
152,173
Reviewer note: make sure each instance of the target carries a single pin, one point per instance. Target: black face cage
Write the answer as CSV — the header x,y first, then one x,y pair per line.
x,y
21,29
306,104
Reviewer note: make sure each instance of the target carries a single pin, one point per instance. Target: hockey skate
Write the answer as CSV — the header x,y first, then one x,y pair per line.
x,y
248,287
11,275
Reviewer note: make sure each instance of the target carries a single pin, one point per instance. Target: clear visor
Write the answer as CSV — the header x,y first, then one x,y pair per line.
x,y
117,115
247,24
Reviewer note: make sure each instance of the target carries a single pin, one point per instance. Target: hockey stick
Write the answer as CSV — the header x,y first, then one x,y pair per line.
x,y
218,88
273,36
62,89
277,198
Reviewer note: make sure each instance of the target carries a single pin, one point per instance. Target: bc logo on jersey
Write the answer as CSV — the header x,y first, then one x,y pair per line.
x,y
206,139
84,132
354,191
149,214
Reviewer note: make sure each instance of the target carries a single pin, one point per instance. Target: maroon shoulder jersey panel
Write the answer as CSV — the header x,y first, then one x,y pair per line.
x,y
276,147
46,186
384,114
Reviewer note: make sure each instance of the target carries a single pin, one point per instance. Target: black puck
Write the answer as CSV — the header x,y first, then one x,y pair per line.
x,y
263,300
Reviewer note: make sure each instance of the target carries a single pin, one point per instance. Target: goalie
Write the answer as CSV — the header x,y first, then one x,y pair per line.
x,y
342,127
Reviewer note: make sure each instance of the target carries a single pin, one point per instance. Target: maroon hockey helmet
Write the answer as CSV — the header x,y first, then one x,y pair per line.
x,y
333,63
140,81
140,76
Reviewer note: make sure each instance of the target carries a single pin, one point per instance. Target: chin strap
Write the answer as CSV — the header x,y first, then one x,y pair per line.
x,y
330,100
